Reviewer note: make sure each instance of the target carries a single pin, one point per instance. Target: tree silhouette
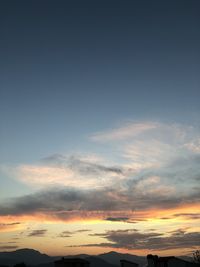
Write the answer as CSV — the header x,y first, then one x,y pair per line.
x,y
21,264
196,256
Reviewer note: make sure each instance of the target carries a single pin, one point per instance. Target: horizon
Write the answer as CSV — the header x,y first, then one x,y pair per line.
x,y
108,252
100,126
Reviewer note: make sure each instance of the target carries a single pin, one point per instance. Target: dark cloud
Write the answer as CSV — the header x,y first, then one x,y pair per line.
x,y
166,218
117,219
38,233
185,216
70,233
81,166
8,225
131,239
64,202
65,234
82,231
121,231
86,167
43,201
125,219
55,159
188,216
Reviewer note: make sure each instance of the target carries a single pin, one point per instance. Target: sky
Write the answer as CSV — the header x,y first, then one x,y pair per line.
x,y
100,126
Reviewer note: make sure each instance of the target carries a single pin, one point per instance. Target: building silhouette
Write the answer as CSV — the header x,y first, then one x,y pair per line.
x,y
71,262
155,261
125,263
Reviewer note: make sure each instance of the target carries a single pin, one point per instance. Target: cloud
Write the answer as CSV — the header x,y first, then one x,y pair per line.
x,y
9,226
71,233
65,234
152,144
157,171
68,203
194,146
90,168
188,216
132,239
154,182
117,219
154,159
38,233
87,164
129,130
44,175
4,225
60,200
58,170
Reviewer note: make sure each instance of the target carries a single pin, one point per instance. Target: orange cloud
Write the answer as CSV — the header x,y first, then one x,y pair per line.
x,y
10,225
180,213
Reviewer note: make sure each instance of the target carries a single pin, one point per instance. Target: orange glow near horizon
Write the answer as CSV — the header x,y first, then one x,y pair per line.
x,y
20,227
99,216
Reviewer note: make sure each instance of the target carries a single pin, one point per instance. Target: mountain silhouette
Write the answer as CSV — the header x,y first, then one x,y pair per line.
x,y
34,258
96,261
115,257
28,256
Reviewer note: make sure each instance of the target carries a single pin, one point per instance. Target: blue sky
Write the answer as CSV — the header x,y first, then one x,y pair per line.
x,y
72,69
93,92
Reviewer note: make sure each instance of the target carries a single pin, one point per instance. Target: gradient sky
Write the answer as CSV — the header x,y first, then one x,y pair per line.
x,y
100,126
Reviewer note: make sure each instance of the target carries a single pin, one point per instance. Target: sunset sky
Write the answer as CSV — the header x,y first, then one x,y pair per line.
x,y
100,126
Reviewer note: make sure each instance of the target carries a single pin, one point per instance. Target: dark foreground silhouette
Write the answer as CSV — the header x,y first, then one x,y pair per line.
x,y
31,257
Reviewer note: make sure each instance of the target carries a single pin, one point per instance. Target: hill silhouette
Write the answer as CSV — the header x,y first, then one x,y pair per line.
x,y
29,256
115,257
34,258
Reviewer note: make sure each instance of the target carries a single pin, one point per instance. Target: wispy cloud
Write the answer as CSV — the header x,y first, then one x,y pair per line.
x,y
9,226
58,170
117,219
188,216
37,233
71,233
129,130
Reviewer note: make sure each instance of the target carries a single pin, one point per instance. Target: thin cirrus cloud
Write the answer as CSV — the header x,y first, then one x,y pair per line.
x,y
143,130
149,143
126,131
